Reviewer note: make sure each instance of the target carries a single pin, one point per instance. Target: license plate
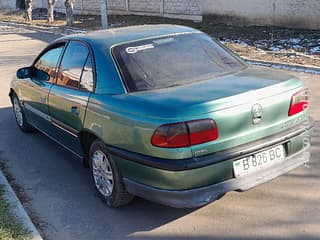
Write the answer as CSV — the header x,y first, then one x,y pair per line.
x,y
258,161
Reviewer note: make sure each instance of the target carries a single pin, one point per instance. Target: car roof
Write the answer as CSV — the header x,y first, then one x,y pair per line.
x,y
102,41
114,36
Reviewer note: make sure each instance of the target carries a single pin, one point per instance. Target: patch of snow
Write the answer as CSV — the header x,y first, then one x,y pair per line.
x,y
315,49
297,47
243,43
294,40
261,52
285,66
274,49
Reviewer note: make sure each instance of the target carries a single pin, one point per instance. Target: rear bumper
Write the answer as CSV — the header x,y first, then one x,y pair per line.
x,y
194,182
204,195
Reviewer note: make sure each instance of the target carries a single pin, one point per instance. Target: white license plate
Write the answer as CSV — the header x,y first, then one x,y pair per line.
x,y
258,161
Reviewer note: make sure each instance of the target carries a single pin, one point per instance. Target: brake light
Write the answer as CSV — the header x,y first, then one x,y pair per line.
x,y
171,136
185,134
299,102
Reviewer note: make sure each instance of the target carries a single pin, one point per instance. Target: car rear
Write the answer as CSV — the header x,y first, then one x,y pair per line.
x,y
231,128
228,150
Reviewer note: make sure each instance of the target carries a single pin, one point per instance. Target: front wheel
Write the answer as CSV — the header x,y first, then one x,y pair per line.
x,y
107,178
19,115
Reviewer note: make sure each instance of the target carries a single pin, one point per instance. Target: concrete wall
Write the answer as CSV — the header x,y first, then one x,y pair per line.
x,y
148,6
289,13
187,9
8,4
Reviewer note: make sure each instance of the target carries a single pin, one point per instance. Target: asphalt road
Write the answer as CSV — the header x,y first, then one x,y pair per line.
x,y
59,194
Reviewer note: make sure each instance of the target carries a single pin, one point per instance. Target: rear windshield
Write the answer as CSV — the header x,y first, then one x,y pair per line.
x,y
172,61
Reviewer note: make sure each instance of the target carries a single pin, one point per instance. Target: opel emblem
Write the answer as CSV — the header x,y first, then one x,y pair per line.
x,y
257,112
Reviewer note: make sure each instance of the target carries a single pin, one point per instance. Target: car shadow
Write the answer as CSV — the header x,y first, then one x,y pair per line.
x,y
60,195
47,172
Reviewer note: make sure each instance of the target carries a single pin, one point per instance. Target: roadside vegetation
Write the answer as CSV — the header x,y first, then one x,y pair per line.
x,y
10,229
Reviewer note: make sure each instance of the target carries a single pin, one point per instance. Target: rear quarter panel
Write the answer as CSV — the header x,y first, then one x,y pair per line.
x,y
125,130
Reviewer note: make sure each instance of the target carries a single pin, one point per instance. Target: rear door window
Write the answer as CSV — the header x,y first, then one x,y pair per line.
x,y
75,64
87,81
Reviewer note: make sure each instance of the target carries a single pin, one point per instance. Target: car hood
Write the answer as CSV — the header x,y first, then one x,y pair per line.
x,y
207,96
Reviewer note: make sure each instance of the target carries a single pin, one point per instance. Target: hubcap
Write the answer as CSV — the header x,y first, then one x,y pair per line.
x,y
102,173
18,111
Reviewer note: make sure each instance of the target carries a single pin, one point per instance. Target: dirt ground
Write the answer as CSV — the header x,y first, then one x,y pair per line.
x,y
292,46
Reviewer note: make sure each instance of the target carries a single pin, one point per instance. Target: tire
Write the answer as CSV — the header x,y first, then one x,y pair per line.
x,y
20,115
106,177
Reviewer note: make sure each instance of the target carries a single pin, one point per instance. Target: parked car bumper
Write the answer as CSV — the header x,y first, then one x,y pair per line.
x,y
200,196
189,183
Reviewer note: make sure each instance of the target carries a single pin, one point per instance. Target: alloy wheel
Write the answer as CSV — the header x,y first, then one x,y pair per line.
x,y
102,173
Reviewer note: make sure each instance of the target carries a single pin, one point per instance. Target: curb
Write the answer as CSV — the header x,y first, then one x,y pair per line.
x,y
279,65
18,210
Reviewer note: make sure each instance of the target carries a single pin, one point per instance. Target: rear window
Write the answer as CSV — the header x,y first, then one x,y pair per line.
x,y
172,61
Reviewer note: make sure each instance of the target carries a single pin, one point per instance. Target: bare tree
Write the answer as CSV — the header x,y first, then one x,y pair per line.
x,y
69,11
28,10
51,5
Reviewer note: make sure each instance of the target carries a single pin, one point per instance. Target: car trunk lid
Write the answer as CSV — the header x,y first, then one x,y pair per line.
x,y
209,96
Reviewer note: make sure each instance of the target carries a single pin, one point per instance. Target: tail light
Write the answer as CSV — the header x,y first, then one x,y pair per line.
x,y
299,102
185,134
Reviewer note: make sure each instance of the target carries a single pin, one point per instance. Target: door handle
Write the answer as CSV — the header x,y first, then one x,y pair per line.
x,y
75,110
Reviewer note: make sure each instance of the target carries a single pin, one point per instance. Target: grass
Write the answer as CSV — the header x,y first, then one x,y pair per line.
x,y
10,229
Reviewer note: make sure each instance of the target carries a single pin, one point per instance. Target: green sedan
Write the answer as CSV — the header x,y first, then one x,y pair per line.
x,y
164,112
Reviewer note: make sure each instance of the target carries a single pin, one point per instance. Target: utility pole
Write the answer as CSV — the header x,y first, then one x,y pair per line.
x,y
104,14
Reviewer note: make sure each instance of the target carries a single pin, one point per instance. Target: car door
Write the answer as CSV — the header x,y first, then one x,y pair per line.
x,y
68,97
36,89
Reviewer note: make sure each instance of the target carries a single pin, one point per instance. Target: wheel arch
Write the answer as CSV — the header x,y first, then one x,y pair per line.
x,y
86,140
11,93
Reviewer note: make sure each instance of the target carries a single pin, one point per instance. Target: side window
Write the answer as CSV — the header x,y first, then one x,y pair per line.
x,y
87,82
48,62
72,64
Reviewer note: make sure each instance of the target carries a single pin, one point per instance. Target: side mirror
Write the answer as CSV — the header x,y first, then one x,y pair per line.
x,y
35,74
23,73
40,75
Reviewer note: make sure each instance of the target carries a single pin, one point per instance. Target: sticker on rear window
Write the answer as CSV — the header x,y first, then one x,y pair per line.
x,y
132,50
163,41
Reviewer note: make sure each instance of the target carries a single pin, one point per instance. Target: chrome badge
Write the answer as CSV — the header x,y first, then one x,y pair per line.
x,y
256,112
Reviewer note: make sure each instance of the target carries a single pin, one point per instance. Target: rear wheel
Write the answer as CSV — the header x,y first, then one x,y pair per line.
x,y
106,177
19,115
